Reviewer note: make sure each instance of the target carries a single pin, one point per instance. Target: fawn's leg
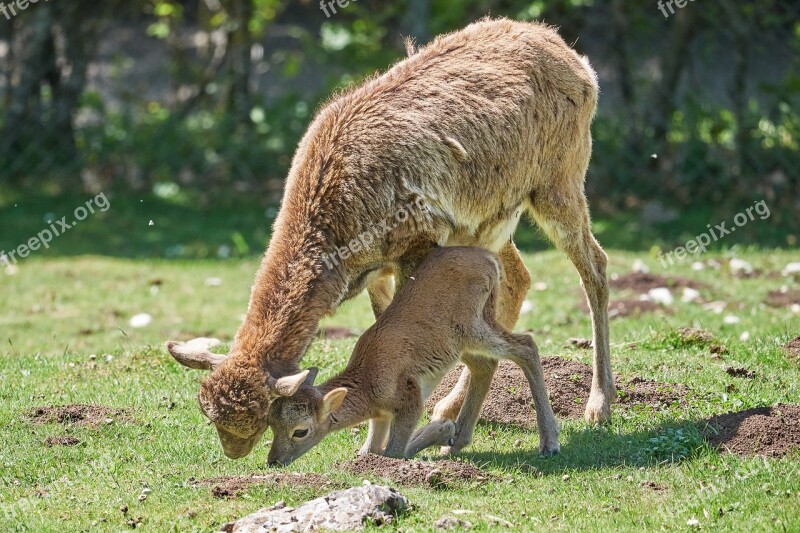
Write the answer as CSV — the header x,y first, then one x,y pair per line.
x,y
514,285
437,433
523,351
565,219
406,415
377,436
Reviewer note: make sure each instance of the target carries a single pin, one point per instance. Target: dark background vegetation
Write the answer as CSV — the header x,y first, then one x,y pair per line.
x,y
187,113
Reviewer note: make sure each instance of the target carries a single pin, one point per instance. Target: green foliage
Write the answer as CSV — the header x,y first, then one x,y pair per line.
x,y
241,80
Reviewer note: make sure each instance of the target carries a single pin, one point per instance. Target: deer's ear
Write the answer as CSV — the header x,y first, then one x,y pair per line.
x,y
196,353
312,375
286,386
331,402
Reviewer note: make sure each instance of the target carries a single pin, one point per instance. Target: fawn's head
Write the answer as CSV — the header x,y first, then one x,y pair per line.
x,y
236,398
300,421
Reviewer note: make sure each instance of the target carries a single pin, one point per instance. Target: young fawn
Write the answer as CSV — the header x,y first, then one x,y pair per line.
x,y
443,315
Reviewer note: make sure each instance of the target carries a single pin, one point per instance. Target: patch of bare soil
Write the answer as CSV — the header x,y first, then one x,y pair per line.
x,y
623,308
783,299
740,372
61,440
78,414
768,431
793,348
229,487
695,336
438,474
642,282
336,333
568,382
631,307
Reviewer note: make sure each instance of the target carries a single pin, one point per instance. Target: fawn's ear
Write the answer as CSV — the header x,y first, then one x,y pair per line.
x,y
286,386
331,402
196,353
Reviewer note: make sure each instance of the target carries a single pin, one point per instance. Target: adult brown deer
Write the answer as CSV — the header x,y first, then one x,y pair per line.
x,y
445,313
479,126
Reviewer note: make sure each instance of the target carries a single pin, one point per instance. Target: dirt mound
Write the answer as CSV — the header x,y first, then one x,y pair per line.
x,y
335,333
768,431
61,440
783,299
642,282
437,474
695,336
623,308
78,414
793,348
230,487
568,382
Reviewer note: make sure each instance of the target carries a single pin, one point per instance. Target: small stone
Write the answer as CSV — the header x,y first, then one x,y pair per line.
x,y
434,478
451,522
565,477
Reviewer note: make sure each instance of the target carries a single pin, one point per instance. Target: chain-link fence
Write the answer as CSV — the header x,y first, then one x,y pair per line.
x,y
700,100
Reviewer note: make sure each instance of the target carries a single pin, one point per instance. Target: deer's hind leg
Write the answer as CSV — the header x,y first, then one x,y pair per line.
x,y
476,378
564,217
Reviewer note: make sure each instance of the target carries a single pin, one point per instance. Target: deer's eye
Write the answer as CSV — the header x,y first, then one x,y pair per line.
x,y
299,433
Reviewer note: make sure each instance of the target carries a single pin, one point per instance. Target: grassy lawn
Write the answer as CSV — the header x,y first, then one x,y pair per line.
x,y
66,339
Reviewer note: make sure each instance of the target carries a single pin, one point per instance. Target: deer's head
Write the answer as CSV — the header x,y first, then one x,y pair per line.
x,y
236,397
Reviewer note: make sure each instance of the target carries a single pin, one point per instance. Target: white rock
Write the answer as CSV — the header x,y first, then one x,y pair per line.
x,y
213,281
344,510
540,286
744,336
693,522
731,319
740,266
791,269
203,343
795,308
527,307
690,294
717,306
661,295
698,265
639,266
140,320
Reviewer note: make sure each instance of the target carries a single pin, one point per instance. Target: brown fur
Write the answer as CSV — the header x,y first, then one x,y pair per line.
x,y
447,308
480,125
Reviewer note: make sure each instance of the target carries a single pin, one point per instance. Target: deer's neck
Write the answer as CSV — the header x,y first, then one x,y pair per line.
x,y
293,290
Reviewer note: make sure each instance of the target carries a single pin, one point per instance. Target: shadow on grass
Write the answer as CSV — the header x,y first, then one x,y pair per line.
x,y
592,448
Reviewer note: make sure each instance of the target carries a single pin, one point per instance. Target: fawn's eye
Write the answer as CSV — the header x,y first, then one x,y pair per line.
x,y
299,433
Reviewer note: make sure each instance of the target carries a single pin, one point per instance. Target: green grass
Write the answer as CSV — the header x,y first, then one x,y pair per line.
x,y
60,308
